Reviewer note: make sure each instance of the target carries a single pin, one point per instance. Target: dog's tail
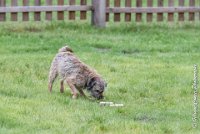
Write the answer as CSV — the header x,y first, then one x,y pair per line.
x,y
65,49
53,73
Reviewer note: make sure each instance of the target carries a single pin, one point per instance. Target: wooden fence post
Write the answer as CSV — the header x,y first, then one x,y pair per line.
x,y
138,16
107,14
83,13
160,15
14,15
60,14
72,14
37,15
117,3
49,13
181,14
99,13
25,15
171,15
192,14
2,15
149,15
128,15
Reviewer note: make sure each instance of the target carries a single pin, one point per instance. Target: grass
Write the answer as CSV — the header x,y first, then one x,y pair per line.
x,y
149,68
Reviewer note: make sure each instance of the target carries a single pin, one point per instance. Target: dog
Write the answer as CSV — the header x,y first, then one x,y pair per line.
x,y
76,74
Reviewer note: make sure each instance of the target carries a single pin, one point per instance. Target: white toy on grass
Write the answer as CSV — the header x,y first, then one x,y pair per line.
x,y
111,104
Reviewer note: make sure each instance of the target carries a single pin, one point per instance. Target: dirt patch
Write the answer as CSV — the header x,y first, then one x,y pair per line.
x,y
102,47
126,51
144,118
33,29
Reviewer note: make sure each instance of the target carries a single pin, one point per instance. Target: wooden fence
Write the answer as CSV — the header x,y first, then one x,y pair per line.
x,y
101,10
148,8
36,6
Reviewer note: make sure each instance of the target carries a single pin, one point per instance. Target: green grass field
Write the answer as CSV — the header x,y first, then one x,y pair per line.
x,y
149,68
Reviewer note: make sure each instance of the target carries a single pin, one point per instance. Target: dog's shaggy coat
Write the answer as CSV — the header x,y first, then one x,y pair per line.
x,y
76,74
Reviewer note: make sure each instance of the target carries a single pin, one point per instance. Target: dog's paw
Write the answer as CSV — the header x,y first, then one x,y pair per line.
x,y
74,97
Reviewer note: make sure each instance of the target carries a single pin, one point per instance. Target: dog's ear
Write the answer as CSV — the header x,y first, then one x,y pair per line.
x,y
91,83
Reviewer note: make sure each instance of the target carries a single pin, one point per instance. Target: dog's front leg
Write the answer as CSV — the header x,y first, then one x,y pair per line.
x,y
81,92
73,89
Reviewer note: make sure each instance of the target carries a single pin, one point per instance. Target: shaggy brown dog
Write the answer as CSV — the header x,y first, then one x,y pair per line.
x,y
76,74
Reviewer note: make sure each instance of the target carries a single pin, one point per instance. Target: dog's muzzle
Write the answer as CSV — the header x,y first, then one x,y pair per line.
x,y
100,97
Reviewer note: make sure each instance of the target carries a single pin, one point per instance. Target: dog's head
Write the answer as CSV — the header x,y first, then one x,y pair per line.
x,y
96,86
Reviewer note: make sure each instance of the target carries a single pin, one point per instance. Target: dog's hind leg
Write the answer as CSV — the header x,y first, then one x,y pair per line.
x,y
53,73
62,86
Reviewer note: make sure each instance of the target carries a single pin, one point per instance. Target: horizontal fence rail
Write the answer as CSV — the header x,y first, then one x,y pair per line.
x,y
100,11
44,8
151,9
